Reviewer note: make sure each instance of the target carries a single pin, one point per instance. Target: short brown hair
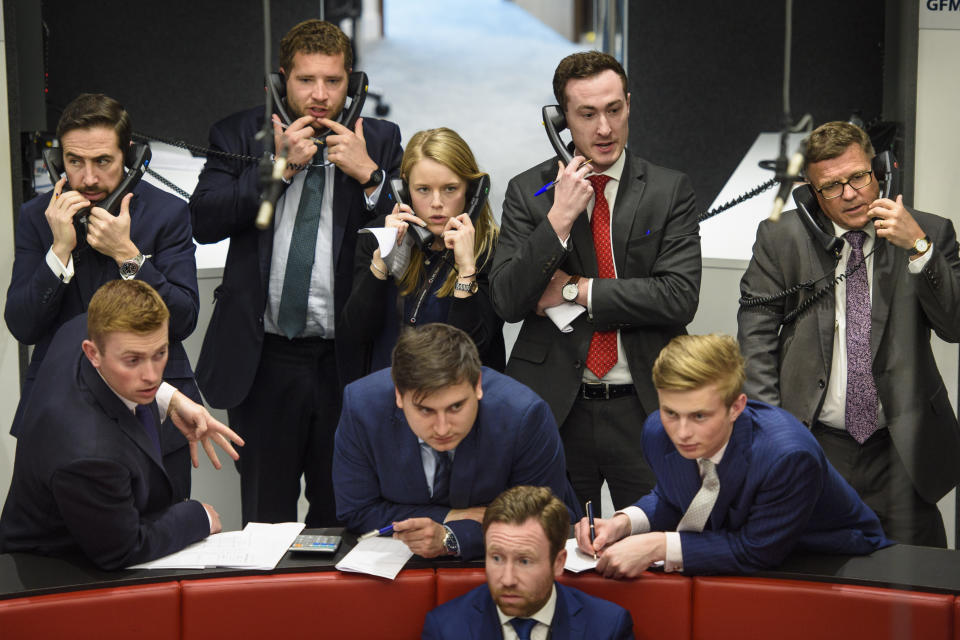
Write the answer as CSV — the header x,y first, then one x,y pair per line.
x,y
434,356
125,305
831,140
315,36
521,503
89,110
584,65
692,362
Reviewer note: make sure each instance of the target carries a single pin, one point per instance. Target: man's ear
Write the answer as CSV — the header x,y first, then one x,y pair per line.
x,y
479,389
558,563
399,397
92,352
738,406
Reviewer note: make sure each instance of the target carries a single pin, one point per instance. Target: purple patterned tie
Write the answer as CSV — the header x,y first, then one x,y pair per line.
x,y
861,411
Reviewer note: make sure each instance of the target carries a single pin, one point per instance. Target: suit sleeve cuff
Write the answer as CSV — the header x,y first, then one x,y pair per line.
x,y
639,523
674,559
65,272
916,266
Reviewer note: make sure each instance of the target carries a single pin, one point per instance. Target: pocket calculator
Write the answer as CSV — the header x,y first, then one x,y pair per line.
x,y
316,544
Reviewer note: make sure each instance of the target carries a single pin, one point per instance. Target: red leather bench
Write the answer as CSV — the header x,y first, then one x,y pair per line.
x,y
758,608
308,605
144,612
660,604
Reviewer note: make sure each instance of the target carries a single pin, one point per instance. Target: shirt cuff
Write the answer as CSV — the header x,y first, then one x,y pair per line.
x,y
916,266
590,298
674,559
639,523
164,396
65,273
373,198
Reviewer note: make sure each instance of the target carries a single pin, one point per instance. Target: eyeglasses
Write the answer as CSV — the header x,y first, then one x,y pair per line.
x,y
857,181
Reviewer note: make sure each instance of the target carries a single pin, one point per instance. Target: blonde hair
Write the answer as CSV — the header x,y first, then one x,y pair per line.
x,y
125,305
445,146
692,362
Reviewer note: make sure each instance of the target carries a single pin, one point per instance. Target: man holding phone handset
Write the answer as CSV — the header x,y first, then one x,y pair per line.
x,y
273,356
56,270
618,237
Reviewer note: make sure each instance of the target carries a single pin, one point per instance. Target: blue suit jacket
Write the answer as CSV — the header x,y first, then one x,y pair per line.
x,y
778,493
578,615
38,303
224,205
378,473
87,478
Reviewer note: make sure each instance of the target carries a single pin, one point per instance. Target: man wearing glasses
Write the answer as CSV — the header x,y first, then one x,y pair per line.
x,y
856,366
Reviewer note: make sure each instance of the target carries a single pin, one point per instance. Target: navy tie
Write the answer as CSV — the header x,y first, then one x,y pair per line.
x,y
145,416
523,627
860,415
441,477
292,315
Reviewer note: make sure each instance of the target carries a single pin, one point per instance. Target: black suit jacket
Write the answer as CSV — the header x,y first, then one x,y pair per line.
x,y
38,303
790,367
86,476
224,205
656,248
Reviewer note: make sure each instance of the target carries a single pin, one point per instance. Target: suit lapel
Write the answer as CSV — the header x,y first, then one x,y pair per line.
x,y
885,258
582,237
90,272
489,621
464,468
341,211
687,476
567,623
732,469
407,449
826,307
629,193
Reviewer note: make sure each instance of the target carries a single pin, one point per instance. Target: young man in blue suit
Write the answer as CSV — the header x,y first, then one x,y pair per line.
x,y
739,484
428,443
93,473
55,273
525,530
273,355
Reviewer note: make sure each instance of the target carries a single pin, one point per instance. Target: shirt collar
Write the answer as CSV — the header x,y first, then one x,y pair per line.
x,y
718,456
543,616
615,170
868,229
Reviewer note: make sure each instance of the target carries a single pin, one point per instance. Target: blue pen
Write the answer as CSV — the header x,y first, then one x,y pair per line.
x,y
376,532
593,530
550,185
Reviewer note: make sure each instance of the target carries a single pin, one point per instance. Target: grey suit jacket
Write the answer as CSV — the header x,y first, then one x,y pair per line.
x,y
656,248
790,367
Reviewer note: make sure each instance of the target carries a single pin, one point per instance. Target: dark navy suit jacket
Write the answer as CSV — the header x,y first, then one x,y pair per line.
x,y
778,493
87,479
577,615
225,205
378,472
38,303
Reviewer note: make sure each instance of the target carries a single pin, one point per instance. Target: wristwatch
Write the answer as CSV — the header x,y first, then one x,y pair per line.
x,y
570,290
375,179
129,268
450,542
470,287
921,246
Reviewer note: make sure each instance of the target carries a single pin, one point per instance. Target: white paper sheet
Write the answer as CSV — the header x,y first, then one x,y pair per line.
x,y
577,561
397,256
380,556
258,546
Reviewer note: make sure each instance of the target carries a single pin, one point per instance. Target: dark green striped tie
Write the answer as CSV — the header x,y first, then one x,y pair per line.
x,y
292,317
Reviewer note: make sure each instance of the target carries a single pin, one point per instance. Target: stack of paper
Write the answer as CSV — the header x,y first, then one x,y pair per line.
x,y
577,560
382,557
258,546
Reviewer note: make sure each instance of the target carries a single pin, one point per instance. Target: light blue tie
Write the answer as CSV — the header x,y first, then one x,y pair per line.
x,y
292,316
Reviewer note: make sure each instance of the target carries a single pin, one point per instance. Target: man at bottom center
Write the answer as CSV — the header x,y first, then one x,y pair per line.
x,y
428,443
526,531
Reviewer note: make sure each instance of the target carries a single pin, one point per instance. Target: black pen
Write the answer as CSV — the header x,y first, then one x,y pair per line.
x,y
593,530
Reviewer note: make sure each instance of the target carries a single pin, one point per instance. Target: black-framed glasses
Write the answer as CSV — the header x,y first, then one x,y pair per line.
x,y
857,181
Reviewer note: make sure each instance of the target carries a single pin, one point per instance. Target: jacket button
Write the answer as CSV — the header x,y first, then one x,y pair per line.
x,y
577,364
821,383
260,321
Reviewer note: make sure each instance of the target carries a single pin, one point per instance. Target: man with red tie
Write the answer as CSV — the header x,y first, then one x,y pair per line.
x,y
616,239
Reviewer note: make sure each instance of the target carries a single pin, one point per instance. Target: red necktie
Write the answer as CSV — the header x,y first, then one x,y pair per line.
x,y
603,345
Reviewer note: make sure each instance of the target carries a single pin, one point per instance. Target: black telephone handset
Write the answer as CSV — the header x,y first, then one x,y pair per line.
x,y
356,93
554,122
136,160
886,170
477,194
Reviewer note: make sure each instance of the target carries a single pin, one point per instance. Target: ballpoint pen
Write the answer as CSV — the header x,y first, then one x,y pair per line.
x,y
550,185
376,532
593,530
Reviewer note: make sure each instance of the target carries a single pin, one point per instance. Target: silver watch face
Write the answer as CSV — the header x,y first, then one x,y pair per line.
x,y
570,291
